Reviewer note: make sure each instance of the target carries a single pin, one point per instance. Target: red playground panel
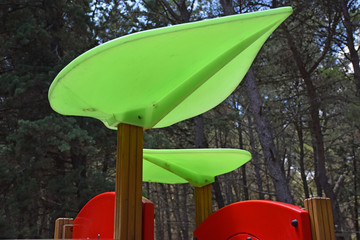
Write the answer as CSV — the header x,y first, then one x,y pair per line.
x,y
96,218
243,236
252,220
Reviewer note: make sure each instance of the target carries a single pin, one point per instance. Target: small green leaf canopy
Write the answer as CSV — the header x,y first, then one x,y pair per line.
x,y
199,167
159,77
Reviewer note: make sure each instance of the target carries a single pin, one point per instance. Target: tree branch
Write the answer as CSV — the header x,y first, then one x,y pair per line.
x,y
327,44
170,10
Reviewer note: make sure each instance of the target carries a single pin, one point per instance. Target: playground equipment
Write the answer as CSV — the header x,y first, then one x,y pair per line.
x,y
250,220
257,220
154,79
96,220
198,167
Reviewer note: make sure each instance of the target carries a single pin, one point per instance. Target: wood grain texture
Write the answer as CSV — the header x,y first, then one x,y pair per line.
x,y
203,203
321,218
128,186
62,228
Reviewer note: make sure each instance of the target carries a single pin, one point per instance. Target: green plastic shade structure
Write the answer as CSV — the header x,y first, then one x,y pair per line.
x,y
156,78
198,167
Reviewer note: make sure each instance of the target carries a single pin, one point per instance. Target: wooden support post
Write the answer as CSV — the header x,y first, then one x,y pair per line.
x,y
321,218
67,231
203,205
128,185
62,229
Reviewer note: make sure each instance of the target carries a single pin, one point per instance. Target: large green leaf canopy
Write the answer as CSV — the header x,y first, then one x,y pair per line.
x,y
159,77
199,167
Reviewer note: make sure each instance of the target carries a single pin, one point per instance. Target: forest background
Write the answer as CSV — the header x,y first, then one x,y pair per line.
x,y
296,111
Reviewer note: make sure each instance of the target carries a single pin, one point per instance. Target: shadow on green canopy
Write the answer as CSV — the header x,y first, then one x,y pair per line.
x,y
159,77
199,167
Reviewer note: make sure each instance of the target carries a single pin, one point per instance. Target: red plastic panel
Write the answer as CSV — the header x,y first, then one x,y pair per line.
x,y
148,220
96,218
264,220
243,236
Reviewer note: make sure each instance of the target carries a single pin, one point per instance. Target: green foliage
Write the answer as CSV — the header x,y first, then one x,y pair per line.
x,y
50,169
50,165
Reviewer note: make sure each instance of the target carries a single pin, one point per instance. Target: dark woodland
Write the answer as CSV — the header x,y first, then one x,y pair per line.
x,y
297,111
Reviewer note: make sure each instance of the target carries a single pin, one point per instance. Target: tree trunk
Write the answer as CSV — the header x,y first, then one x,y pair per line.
x,y
299,130
160,211
255,160
229,179
244,181
176,199
243,168
184,210
165,189
200,140
218,196
320,150
315,156
267,140
227,6
315,125
356,203
354,56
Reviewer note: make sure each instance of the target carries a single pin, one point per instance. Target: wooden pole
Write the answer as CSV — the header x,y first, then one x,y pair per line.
x,y
62,229
128,185
67,231
203,205
321,218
